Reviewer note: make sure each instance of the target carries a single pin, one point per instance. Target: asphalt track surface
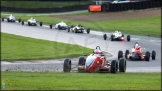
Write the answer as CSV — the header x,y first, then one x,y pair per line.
x,y
88,40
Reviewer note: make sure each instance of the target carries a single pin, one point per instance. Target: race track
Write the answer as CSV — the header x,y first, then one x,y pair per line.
x,y
88,40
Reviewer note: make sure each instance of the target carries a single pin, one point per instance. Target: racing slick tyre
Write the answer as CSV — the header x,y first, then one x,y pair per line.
x,y
8,20
122,35
120,54
122,65
28,23
105,36
114,66
147,55
88,30
153,55
112,37
81,61
50,26
68,29
128,37
126,53
67,65
59,27
19,20
41,23
2,18
75,30
22,22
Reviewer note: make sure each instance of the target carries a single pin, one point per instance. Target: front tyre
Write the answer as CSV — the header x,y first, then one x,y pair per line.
x,y
120,54
128,37
153,55
114,66
105,36
88,30
67,65
122,65
126,54
147,54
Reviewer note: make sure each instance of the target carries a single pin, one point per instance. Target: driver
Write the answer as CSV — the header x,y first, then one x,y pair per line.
x,y
137,48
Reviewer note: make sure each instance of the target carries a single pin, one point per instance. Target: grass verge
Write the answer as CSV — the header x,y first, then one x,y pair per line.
x,y
15,47
81,81
137,26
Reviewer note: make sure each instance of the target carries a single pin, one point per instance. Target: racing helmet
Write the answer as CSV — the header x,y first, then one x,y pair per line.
x,y
136,44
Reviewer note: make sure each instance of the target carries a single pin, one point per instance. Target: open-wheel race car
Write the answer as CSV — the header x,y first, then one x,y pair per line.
x,y
11,18
78,29
137,53
117,35
96,62
32,22
61,26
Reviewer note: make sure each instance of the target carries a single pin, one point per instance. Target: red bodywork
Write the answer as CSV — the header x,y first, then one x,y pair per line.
x,y
96,65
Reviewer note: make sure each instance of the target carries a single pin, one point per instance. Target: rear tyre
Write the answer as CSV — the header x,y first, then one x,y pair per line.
x,y
88,30
8,20
153,55
59,27
67,65
75,30
126,53
112,37
28,23
2,18
105,36
120,54
41,23
50,26
122,65
22,22
114,66
128,37
147,54
19,20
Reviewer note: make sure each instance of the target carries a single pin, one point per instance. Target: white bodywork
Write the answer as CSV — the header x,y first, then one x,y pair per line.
x,y
89,60
124,1
62,24
117,34
12,18
78,28
32,21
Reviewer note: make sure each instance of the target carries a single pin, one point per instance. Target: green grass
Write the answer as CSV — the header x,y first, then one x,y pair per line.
x,y
81,81
21,48
137,26
39,4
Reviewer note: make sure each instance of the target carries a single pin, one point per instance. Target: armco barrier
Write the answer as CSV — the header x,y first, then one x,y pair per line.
x,y
44,10
109,7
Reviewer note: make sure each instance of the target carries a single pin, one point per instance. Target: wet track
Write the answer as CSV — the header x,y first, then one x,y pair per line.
x,y
88,40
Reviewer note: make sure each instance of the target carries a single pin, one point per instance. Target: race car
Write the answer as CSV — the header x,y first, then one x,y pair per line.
x,y
32,22
96,62
137,53
78,29
61,26
117,35
11,18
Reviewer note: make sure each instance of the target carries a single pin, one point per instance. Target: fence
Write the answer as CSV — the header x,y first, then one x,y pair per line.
x,y
109,7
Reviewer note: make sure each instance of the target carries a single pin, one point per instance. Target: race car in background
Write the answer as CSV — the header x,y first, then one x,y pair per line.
x,y
137,53
32,22
78,29
117,35
96,62
11,18
61,26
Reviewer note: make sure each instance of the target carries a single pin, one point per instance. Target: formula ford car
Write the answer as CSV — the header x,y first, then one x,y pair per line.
x,y
117,35
78,29
32,22
96,62
61,26
137,53
11,18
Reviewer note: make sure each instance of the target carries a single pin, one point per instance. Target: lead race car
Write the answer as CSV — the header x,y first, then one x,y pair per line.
x,y
78,29
137,53
117,35
96,62
61,26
